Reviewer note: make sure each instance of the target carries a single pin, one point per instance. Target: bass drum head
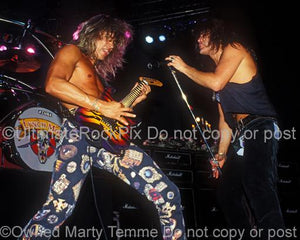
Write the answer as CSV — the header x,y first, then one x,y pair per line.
x,y
36,136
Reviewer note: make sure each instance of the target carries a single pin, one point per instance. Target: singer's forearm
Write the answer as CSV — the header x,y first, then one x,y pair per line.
x,y
205,79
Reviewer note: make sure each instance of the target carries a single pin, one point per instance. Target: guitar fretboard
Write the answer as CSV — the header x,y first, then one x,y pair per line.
x,y
130,98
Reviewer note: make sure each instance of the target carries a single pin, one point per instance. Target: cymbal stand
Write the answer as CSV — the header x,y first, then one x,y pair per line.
x,y
29,26
16,81
27,91
213,159
26,27
43,45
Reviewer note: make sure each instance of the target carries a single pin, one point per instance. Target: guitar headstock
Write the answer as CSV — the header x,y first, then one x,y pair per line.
x,y
151,81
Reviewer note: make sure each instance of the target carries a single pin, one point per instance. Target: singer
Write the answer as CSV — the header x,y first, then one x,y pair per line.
x,y
247,191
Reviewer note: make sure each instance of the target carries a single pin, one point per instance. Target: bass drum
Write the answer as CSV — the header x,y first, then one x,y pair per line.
x,y
32,136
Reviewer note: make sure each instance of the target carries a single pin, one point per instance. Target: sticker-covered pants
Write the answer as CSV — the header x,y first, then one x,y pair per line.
x,y
74,159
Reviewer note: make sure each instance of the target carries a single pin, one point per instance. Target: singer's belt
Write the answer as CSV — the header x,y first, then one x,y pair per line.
x,y
243,122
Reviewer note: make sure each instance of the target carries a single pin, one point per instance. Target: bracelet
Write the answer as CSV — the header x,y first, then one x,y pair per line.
x,y
95,106
222,155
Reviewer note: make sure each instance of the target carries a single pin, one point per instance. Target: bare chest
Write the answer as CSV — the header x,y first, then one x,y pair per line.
x,y
85,78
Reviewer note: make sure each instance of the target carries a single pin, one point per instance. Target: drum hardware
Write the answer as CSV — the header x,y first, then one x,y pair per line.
x,y
13,22
5,145
34,92
13,84
18,60
12,114
2,155
13,87
43,45
26,27
33,32
8,79
35,124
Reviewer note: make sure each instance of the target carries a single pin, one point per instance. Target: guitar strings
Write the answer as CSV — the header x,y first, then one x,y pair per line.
x,y
129,99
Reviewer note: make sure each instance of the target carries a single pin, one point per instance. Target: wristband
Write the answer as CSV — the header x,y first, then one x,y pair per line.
x,y
222,155
95,106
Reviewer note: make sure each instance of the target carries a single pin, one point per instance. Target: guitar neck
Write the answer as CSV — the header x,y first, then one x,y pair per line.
x,y
133,95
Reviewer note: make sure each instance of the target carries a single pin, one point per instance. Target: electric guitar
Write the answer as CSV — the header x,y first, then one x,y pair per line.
x,y
110,133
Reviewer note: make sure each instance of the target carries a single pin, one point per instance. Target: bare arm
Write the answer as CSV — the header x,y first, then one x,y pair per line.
x,y
58,78
58,84
224,142
227,66
225,133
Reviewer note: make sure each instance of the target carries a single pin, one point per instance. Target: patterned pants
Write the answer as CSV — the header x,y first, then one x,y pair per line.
x,y
135,167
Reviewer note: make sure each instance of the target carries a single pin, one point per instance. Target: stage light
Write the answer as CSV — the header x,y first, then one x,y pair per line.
x,y
162,38
127,34
149,39
30,50
198,119
75,35
3,48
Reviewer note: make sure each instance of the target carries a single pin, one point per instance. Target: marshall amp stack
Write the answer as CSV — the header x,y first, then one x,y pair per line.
x,y
190,171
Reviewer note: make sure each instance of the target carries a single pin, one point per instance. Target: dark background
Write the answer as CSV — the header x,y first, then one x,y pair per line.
x,y
264,26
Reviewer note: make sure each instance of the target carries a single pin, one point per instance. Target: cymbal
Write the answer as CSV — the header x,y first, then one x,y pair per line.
x,y
18,60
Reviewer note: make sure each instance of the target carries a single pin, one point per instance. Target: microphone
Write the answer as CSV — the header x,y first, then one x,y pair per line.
x,y
157,64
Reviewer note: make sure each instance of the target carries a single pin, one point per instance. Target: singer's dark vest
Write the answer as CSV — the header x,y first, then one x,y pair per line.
x,y
249,98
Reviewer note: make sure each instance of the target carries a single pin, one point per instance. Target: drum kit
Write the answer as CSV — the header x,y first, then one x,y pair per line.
x,y
29,122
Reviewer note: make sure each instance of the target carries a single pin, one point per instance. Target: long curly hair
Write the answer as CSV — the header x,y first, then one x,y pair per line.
x,y
221,34
90,31
215,29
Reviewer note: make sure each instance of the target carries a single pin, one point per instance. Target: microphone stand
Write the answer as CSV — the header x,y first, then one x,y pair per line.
x,y
213,159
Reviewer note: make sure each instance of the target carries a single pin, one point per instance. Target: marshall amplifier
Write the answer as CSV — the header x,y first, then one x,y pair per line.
x,y
286,169
287,184
290,206
189,211
204,179
201,161
208,211
180,177
167,159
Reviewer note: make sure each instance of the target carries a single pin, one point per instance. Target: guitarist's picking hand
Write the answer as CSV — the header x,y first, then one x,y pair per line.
x,y
117,111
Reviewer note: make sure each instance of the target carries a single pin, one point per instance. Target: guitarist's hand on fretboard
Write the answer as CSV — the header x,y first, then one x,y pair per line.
x,y
116,110
146,89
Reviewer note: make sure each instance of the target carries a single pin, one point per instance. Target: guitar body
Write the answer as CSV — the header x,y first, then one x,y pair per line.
x,y
105,132
109,133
